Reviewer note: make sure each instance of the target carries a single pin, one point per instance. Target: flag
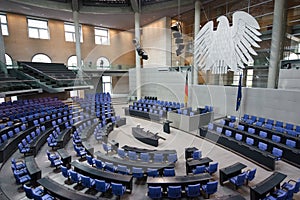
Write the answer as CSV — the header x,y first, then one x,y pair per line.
x,y
186,89
239,94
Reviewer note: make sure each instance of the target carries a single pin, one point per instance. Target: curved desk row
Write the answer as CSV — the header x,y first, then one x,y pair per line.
x,y
183,181
34,171
289,154
263,158
142,114
144,165
61,192
126,180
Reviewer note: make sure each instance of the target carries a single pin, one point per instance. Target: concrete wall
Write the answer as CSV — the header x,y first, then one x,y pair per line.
x,y
120,84
22,48
156,41
289,79
277,104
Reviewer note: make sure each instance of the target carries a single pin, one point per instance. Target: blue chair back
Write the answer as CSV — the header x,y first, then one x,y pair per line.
x,y
263,134
118,189
291,143
240,179
251,174
145,157
268,126
277,153
211,187
65,172
197,155
152,172
279,124
212,168
241,127
228,133
132,155
137,172
210,126
276,138
262,146
101,185
154,192
174,192
219,129
121,153
158,158
74,176
251,130
270,121
238,137
28,191
261,119
193,190
289,126
231,124
199,169
249,141
169,172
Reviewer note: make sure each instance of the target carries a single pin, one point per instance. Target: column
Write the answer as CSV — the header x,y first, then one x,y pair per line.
x,y
137,57
196,30
77,38
2,52
278,31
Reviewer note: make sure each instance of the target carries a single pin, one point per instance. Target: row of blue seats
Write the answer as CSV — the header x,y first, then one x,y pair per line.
x,y
24,145
175,192
243,178
160,112
263,134
271,122
20,171
100,185
285,192
37,193
250,141
12,133
144,157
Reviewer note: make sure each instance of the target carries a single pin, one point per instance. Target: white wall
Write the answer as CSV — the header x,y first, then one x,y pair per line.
x,y
277,104
156,41
289,79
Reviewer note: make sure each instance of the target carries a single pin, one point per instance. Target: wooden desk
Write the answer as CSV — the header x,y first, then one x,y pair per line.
x,y
230,171
260,190
164,182
34,171
59,191
191,164
65,157
109,177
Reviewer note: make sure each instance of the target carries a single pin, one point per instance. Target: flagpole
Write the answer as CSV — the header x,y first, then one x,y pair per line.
x,y
240,101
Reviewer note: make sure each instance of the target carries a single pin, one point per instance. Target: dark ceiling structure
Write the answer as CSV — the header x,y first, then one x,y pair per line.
x,y
117,14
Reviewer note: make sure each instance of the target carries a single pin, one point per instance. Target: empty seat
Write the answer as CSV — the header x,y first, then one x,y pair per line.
x,y
262,146
197,155
118,189
238,180
270,121
291,143
158,158
109,167
99,164
132,155
145,157
268,126
279,124
251,130
137,172
292,183
122,169
174,192
277,153
249,141
259,124
261,119
212,168
219,129
193,190
172,158
154,192
238,137
263,134
87,181
276,138
289,126
101,185
121,153
228,133
210,126
169,172
152,172
279,129
250,175
241,127
209,188
199,169
231,124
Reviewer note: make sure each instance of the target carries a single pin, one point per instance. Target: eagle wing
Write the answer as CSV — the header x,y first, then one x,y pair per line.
x,y
245,36
202,46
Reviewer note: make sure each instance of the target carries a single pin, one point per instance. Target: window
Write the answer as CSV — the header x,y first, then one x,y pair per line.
x,y
13,98
103,62
70,32
38,29
72,61
101,36
8,60
74,93
249,80
4,25
2,100
106,83
41,58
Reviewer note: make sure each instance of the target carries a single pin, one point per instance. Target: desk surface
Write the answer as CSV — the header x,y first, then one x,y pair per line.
x,y
141,150
130,164
179,180
233,168
31,165
99,174
60,191
269,183
202,161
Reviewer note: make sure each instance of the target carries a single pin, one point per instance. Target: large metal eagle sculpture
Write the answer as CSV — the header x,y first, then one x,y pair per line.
x,y
228,47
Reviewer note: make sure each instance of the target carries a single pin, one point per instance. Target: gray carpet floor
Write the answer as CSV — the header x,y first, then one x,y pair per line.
x,y
178,140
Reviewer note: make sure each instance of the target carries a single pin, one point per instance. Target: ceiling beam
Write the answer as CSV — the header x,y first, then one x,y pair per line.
x,y
134,5
166,5
45,4
105,10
